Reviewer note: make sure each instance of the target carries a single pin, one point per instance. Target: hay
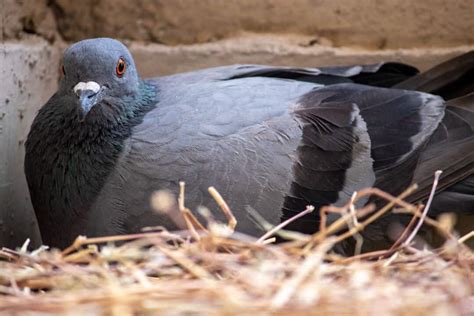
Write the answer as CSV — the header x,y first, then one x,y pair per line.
x,y
211,270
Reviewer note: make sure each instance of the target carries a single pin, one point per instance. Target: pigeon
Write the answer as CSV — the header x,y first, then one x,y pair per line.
x,y
275,139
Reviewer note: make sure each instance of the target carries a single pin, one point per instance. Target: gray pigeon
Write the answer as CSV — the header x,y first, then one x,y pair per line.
x,y
273,138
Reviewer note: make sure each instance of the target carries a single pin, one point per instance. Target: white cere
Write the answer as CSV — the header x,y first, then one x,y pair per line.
x,y
90,85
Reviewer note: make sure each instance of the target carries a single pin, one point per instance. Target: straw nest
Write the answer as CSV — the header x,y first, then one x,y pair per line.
x,y
209,269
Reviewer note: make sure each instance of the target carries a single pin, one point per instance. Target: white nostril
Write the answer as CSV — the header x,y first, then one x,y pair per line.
x,y
79,87
93,86
90,85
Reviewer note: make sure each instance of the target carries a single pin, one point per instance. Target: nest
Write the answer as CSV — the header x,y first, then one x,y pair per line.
x,y
212,270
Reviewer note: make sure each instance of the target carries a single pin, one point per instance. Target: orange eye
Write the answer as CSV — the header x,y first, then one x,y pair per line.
x,y
121,67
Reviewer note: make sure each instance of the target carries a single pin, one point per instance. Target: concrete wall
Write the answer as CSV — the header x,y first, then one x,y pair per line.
x,y
180,35
155,59
28,78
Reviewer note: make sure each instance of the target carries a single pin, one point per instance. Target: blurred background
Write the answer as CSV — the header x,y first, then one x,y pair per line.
x,y
170,36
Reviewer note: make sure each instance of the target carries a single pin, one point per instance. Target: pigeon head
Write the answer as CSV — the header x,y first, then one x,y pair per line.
x,y
97,70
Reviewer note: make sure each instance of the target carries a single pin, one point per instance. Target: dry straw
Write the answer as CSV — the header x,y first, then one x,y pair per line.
x,y
212,270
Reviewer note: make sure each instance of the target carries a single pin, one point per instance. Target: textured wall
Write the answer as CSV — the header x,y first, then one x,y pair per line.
x,y
367,23
20,18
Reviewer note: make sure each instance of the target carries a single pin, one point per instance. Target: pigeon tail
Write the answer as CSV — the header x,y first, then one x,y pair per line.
x,y
452,79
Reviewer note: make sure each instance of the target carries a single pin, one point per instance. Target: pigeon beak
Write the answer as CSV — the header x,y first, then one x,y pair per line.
x,y
89,95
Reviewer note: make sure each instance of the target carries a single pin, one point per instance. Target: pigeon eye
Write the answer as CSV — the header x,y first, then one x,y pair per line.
x,y
121,67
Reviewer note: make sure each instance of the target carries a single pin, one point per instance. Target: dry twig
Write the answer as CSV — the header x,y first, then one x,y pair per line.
x,y
161,272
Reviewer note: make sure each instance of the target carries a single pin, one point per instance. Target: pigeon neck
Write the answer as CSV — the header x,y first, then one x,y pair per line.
x,y
131,109
103,142
78,157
